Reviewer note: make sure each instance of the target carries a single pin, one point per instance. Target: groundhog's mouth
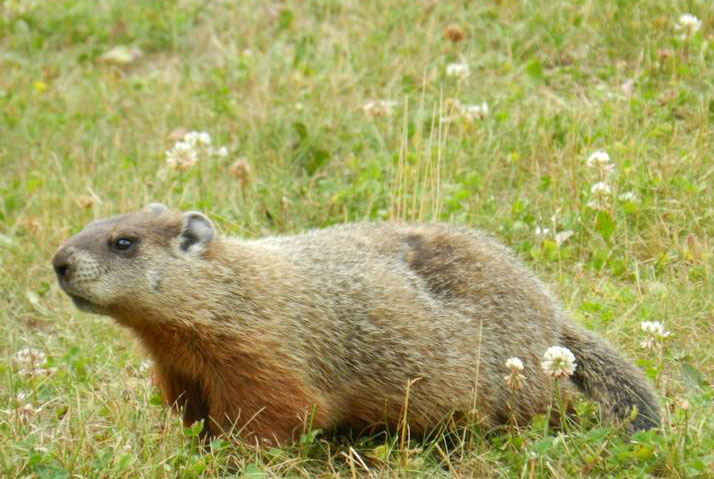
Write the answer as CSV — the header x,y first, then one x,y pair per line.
x,y
83,304
79,301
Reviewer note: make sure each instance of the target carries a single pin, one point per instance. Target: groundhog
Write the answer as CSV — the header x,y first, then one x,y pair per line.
x,y
335,327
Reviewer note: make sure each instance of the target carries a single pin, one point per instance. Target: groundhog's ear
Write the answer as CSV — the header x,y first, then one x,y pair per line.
x,y
155,208
196,232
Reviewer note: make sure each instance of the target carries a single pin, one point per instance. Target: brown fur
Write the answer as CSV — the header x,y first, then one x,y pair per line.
x,y
333,325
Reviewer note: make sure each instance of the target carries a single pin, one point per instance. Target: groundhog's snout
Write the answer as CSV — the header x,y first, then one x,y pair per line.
x,y
62,265
74,273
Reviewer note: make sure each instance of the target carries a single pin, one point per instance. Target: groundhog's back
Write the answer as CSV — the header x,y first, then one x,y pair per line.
x,y
439,305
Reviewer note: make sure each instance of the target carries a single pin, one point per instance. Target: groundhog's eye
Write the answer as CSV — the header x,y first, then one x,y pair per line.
x,y
122,244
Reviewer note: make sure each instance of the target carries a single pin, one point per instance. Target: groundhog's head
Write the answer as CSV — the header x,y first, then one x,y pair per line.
x,y
113,262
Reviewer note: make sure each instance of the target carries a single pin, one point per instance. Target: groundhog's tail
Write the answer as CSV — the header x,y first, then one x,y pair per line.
x,y
611,380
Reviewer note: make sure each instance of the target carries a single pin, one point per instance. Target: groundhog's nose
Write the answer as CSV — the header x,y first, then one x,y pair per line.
x,y
60,269
60,263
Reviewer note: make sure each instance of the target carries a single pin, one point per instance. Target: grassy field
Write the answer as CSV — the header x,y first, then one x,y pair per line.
x,y
344,111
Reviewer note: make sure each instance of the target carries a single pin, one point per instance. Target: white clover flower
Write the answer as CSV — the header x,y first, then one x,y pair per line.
x,y
377,108
31,362
628,196
654,331
600,161
197,139
464,112
541,231
514,379
598,158
514,364
26,412
458,70
473,112
601,189
563,236
599,204
182,156
221,152
688,25
558,362
655,328
30,356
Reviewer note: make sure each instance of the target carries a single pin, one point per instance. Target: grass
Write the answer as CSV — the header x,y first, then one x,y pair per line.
x,y
281,85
